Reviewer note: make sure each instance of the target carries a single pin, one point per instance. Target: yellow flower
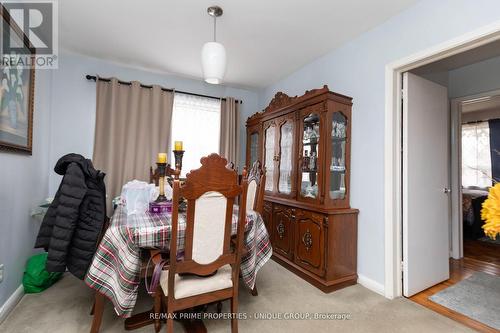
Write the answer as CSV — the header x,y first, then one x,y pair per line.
x,y
490,212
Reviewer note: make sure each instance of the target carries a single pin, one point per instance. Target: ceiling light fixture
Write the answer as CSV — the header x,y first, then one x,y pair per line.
x,y
213,54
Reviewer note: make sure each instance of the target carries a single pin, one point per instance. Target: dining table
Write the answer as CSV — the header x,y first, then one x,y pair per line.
x,y
115,271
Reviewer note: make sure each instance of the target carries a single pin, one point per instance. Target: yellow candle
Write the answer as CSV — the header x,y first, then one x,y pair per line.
x,y
178,145
162,157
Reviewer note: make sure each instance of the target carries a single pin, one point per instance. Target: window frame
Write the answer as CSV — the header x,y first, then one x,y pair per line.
x,y
198,139
481,171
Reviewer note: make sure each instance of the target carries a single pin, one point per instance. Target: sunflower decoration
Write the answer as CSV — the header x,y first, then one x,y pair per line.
x,y
490,213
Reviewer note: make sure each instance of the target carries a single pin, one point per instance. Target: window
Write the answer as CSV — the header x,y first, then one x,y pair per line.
x,y
476,158
196,122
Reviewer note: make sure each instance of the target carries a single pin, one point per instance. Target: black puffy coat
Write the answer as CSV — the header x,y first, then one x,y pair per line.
x,y
70,230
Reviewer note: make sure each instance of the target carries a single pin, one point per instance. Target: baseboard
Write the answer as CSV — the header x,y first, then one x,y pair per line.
x,y
11,303
371,284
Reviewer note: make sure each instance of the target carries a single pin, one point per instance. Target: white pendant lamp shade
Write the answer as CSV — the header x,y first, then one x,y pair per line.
x,y
213,62
213,54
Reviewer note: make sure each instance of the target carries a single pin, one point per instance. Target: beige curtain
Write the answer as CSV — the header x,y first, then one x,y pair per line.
x,y
132,126
229,130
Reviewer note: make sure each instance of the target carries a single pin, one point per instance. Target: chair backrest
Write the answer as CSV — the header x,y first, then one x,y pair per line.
x,y
230,166
154,176
255,192
210,192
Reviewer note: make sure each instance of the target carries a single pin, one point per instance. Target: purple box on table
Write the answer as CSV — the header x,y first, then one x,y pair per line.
x,y
161,207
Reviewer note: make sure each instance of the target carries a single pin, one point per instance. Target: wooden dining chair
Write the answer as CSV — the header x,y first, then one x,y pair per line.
x,y
255,196
98,305
97,309
209,271
255,192
255,200
154,174
146,256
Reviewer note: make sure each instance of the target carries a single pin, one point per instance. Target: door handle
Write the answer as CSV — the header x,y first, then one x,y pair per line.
x,y
446,190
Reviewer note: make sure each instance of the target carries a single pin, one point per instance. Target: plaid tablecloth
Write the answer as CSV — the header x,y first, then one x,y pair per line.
x,y
115,269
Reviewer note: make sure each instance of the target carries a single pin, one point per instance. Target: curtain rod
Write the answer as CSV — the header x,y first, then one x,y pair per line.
x,y
94,78
477,121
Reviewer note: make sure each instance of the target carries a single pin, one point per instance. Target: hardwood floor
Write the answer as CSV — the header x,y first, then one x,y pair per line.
x,y
483,251
478,257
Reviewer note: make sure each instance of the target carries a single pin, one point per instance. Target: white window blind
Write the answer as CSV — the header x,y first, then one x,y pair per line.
x,y
196,122
476,158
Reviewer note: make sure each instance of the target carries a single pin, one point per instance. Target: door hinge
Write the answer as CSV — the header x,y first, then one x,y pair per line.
x,y
402,266
402,94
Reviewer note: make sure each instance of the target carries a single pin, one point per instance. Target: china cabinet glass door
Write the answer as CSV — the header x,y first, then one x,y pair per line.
x,y
254,148
337,186
309,167
269,156
285,157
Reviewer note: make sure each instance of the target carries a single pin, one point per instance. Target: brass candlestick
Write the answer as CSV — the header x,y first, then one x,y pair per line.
x,y
178,154
162,167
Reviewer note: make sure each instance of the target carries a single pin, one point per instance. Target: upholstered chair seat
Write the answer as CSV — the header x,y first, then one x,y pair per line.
x,y
191,285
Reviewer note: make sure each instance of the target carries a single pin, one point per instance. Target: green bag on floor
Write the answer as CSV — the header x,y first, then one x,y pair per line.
x,y
36,278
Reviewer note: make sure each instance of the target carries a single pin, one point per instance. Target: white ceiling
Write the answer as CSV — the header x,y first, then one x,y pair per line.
x,y
265,39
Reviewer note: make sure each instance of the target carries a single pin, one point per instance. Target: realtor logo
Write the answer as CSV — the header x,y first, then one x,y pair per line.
x,y
29,34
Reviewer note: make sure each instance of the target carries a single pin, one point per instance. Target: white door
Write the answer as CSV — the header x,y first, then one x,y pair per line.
x,y
426,198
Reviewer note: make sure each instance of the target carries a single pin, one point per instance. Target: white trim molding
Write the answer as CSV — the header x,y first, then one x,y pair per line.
x,y
393,132
456,237
371,284
11,303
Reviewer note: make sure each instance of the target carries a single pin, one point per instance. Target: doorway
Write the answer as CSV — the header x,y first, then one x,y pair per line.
x,y
474,131
431,183
477,160
393,139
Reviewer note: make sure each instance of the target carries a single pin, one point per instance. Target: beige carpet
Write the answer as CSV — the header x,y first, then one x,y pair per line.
x,y
64,308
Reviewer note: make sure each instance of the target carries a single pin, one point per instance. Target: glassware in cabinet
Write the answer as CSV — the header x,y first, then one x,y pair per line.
x,y
310,137
337,186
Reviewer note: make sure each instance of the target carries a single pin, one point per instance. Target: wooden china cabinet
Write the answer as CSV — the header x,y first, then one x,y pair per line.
x,y
304,145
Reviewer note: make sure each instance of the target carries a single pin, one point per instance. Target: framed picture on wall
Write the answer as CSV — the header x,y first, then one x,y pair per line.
x,y
17,87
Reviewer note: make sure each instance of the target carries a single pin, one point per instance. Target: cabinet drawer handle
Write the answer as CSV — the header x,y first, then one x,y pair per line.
x,y
307,240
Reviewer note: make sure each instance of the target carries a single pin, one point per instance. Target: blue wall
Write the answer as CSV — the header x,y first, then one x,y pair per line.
x,y
65,116
64,121
357,69
23,185
74,102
